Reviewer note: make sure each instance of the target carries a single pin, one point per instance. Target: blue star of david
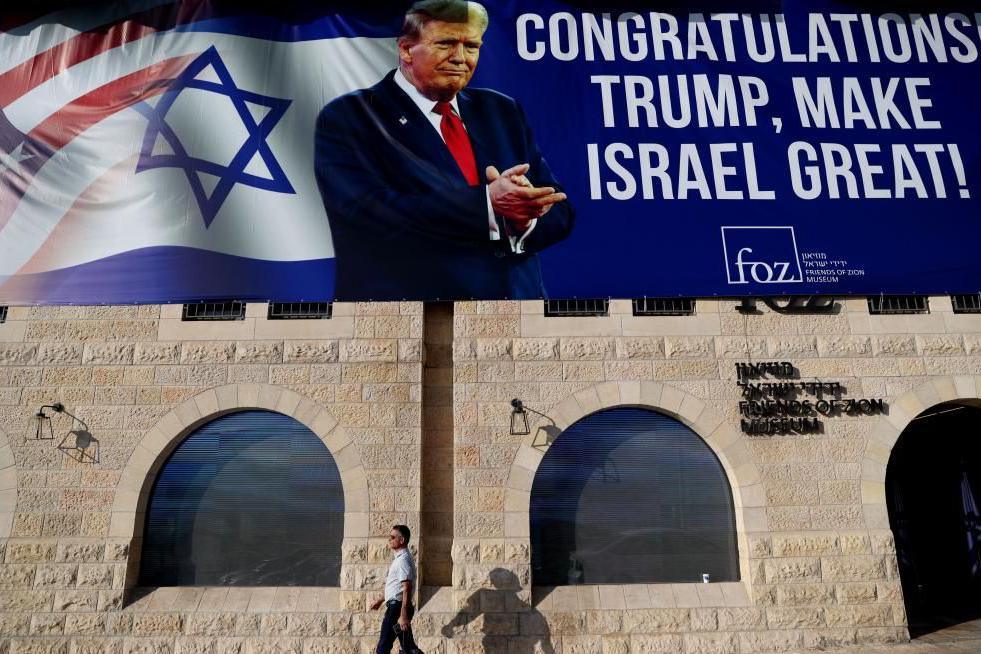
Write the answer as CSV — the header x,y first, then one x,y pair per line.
x,y
234,173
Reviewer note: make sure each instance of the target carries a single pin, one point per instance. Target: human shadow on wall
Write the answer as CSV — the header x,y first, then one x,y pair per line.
x,y
504,613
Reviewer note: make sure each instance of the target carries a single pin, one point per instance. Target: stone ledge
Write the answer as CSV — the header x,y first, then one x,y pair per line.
x,y
626,597
218,599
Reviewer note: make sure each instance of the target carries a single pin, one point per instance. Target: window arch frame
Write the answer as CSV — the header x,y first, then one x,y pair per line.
x,y
722,438
693,445
268,419
138,475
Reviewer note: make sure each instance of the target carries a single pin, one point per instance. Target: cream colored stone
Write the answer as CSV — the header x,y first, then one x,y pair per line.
x,y
740,619
639,347
586,348
643,644
852,568
823,497
589,400
657,621
689,347
795,618
671,399
494,349
844,346
805,545
711,643
807,569
770,641
940,344
872,615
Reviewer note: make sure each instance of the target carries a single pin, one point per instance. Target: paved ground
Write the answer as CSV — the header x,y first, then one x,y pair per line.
x,y
962,638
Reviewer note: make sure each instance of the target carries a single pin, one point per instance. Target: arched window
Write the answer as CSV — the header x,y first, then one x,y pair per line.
x,y
250,499
626,496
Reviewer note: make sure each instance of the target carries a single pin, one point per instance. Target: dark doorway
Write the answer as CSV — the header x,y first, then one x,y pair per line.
x,y
933,492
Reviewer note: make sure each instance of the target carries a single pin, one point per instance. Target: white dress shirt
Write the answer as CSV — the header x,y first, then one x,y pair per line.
x,y
403,568
426,106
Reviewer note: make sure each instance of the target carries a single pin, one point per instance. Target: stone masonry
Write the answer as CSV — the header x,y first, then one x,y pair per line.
x,y
817,560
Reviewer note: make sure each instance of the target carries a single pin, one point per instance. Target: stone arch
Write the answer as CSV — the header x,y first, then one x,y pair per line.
x,y
136,480
889,427
8,487
727,444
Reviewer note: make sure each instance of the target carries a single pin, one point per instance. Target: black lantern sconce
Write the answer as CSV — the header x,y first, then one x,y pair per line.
x,y
78,443
519,418
521,427
43,430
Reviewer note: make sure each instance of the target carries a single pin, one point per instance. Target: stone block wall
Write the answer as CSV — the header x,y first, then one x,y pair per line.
x,y
817,558
141,379
816,554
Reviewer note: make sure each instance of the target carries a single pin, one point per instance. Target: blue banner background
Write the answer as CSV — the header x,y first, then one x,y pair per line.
x,y
636,247
662,247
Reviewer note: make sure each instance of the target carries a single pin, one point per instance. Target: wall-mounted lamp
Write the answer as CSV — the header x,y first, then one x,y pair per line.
x,y
43,431
520,426
519,419
78,443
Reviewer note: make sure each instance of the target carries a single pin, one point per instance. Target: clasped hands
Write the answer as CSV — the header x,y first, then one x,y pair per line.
x,y
514,197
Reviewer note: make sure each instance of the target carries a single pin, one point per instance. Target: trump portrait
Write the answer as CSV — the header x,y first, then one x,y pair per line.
x,y
435,190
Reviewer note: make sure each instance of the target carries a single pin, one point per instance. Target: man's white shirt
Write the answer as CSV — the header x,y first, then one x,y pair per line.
x,y
403,568
426,106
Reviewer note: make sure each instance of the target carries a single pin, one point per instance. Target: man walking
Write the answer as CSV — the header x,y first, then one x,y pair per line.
x,y
398,595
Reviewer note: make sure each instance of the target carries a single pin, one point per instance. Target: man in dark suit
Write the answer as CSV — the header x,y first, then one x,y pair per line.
x,y
435,191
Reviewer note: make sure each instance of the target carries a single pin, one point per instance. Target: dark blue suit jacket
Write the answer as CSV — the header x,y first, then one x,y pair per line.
x,y
405,223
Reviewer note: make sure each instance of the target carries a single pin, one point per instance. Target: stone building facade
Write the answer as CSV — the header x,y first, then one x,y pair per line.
x,y
413,403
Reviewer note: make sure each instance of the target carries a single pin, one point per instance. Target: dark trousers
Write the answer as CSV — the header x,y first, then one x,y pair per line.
x,y
387,638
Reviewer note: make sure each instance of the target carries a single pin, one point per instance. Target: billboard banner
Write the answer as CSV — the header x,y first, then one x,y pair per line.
x,y
154,151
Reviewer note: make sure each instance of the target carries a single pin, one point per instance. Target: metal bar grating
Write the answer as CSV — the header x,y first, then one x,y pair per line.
x,y
970,303
227,310
664,306
299,310
572,308
898,304
3,314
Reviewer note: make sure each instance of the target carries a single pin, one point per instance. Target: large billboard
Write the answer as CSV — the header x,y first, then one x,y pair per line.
x,y
155,151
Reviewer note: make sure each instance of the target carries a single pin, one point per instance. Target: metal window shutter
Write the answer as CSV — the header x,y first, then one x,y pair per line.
x,y
250,499
628,495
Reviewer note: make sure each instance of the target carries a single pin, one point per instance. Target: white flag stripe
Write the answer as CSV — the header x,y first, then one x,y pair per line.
x,y
25,41
54,189
157,207
45,99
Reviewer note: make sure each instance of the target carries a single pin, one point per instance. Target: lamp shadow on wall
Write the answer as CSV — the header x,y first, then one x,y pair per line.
x,y
545,435
497,608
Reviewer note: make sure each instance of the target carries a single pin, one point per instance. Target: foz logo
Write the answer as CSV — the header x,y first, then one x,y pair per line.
x,y
761,255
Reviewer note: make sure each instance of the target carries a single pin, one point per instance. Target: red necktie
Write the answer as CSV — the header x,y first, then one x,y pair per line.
x,y
457,141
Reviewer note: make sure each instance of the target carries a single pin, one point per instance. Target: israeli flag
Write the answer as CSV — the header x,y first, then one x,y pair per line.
x,y
163,152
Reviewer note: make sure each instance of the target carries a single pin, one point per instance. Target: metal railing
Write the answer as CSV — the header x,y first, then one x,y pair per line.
x,y
970,303
577,308
300,310
227,310
664,306
898,304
